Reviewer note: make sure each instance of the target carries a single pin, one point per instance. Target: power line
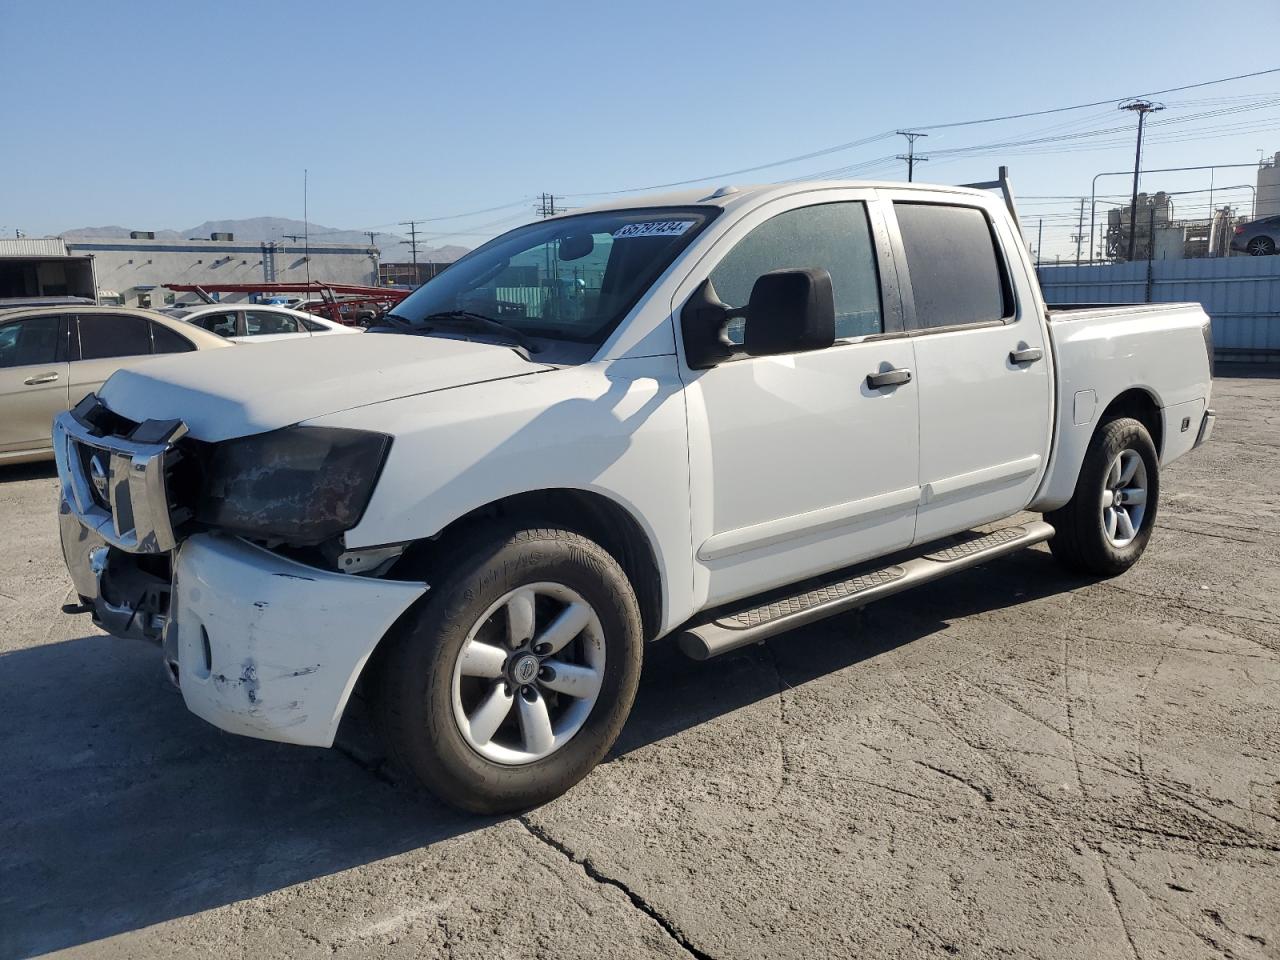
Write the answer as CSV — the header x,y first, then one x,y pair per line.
x,y
1095,103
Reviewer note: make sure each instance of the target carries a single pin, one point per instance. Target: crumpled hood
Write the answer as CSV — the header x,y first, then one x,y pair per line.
x,y
221,394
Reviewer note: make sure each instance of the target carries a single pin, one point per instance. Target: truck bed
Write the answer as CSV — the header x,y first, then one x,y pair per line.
x,y
1102,351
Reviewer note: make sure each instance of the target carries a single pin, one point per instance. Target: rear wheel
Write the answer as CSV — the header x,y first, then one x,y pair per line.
x,y
1261,247
514,678
1104,528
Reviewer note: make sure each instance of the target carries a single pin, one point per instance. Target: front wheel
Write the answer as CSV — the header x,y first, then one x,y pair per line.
x,y
514,678
1104,528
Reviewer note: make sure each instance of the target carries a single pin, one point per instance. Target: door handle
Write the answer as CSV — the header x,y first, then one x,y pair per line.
x,y
888,378
40,378
1025,355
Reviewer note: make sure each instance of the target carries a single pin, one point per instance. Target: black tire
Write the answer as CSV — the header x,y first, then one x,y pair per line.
x,y
412,695
1261,247
1081,542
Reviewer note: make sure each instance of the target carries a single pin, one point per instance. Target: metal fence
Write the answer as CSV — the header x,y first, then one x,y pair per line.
x,y
1240,294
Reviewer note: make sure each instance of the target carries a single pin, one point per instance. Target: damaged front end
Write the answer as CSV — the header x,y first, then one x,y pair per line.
x,y
228,554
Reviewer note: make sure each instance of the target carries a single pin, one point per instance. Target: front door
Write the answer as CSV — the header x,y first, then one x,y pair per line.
x,y
33,380
985,374
798,464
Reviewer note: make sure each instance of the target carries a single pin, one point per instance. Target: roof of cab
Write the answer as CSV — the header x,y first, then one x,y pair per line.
x,y
730,196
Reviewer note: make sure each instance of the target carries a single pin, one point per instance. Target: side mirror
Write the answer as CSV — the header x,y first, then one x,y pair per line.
x,y
790,311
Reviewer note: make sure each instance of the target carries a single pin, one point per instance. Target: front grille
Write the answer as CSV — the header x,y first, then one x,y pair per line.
x,y
118,484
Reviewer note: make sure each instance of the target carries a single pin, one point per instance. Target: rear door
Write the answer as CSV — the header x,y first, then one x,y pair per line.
x,y
106,342
985,374
33,380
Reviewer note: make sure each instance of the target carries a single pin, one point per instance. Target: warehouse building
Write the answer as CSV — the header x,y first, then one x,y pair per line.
x,y
133,271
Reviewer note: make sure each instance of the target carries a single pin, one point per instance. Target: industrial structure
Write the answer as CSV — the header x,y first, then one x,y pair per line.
x,y
1159,235
408,274
133,271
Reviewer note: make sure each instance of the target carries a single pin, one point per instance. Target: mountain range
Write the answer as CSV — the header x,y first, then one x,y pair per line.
x,y
395,249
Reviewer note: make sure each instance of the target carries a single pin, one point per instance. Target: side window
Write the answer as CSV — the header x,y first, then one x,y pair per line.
x,y
34,340
223,324
957,273
104,335
258,323
167,341
833,236
315,327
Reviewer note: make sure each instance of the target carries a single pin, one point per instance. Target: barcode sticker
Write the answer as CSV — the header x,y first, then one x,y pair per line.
x,y
654,228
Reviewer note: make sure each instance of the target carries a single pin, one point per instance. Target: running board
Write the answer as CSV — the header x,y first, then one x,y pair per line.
x,y
730,629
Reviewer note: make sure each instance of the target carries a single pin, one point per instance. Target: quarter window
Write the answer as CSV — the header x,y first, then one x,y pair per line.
x,y
167,341
24,343
104,335
835,237
957,273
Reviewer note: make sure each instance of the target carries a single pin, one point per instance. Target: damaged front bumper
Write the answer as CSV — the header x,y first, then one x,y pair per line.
x,y
270,648
259,644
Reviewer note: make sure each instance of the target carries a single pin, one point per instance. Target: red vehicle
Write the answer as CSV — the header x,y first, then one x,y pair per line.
x,y
347,303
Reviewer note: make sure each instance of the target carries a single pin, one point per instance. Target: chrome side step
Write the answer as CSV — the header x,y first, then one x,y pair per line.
x,y
729,629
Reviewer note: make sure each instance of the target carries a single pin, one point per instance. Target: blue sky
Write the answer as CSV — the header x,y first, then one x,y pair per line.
x,y
165,114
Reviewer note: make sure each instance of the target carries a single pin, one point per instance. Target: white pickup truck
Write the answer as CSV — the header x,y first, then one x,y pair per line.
x,y
714,416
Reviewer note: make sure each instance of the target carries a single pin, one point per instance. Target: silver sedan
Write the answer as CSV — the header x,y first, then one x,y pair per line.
x,y
50,357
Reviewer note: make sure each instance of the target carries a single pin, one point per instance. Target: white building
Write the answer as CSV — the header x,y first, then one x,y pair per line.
x,y
134,271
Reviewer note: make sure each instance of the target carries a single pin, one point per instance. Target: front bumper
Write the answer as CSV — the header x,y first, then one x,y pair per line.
x,y
270,648
260,645
1206,427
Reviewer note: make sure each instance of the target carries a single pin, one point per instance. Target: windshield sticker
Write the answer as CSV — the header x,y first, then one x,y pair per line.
x,y
655,228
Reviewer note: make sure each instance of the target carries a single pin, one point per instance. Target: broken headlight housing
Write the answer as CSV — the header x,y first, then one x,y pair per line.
x,y
299,485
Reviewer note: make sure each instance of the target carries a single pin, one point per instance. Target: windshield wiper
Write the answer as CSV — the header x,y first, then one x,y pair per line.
x,y
488,324
395,320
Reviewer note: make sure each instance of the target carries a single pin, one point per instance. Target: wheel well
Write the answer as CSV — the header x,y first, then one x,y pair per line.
x,y
590,514
1141,406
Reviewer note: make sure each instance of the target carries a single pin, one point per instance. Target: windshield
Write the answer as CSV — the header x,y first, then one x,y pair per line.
x,y
568,279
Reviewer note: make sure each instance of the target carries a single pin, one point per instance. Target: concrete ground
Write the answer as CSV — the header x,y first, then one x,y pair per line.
x,y
1014,762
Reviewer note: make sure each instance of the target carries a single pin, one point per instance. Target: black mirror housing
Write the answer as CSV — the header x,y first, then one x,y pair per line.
x,y
702,322
790,311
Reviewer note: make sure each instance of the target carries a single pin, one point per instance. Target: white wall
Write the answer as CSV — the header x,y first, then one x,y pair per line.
x,y
126,267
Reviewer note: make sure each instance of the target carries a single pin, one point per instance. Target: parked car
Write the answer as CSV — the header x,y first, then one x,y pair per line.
x,y
256,323
1258,238
51,356
759,408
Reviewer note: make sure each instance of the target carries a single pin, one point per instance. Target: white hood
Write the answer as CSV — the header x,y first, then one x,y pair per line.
x,y
221,394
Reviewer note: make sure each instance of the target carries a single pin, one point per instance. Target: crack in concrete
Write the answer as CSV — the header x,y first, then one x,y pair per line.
x,y
637,901
1115,901
978,788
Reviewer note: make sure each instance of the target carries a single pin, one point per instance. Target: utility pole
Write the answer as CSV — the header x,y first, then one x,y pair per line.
x,y
547,205
910,155
1039,241
306,229
1141,108
413,245
1079,235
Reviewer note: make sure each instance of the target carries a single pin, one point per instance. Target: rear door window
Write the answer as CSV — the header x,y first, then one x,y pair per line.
x,y
958,276
32,341
104,335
